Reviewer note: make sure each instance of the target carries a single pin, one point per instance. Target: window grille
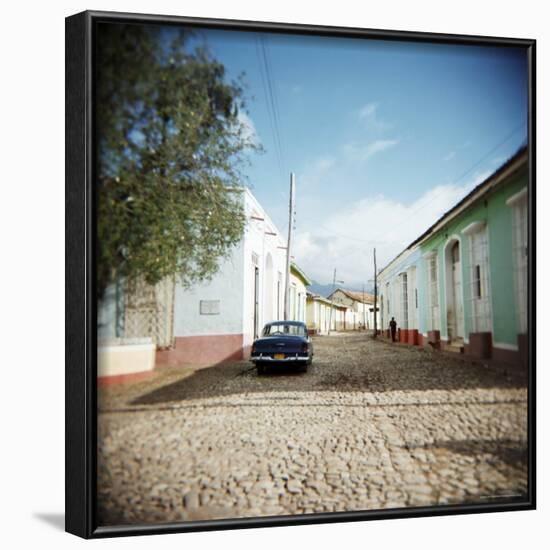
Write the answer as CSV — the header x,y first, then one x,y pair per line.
x,y
293,309
520,244
433,293
149,311
479,292
404,321
412,293
454,291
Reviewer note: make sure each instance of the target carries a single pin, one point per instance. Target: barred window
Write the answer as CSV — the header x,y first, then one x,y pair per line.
x,y
404,321
479,292
519,205
433,293
412,293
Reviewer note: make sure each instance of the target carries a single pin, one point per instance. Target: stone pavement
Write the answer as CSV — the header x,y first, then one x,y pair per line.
x,y
371,426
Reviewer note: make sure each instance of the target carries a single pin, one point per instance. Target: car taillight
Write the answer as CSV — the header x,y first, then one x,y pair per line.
x,y
305,347
253,348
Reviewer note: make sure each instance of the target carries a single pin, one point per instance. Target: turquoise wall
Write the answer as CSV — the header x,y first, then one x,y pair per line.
x,y
501,257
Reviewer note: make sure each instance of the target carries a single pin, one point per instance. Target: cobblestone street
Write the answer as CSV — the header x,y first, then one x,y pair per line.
x,y
371,425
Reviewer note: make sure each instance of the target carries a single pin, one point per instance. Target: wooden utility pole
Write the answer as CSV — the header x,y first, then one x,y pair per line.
x,y
289,242
334,281
375,296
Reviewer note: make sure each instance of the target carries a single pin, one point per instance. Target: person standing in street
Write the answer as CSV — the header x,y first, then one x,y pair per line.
x,y
393,328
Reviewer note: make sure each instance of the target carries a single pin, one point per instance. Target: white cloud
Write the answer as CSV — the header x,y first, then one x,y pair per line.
x,y
316,170
450,156
322,177
368,110
322,164
363,152
368,115
344,239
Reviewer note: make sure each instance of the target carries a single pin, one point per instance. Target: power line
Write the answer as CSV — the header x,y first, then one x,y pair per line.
x,y
463,175
273,92
268,102
271,99
375,239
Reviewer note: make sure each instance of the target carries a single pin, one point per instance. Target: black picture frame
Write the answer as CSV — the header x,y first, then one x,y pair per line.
x,y
81,337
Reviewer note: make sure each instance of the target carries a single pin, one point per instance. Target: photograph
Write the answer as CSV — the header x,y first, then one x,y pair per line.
x,y
312,272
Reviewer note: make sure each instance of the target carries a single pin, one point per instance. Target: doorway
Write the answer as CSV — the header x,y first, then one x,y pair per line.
x,y
256,301
455,307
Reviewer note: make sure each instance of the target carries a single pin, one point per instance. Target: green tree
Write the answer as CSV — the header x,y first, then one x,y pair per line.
x,y
170,148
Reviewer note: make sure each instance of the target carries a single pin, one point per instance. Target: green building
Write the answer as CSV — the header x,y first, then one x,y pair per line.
x,y
470,272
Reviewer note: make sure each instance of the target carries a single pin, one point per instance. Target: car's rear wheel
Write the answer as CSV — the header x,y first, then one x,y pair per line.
x,y
260,368
303,367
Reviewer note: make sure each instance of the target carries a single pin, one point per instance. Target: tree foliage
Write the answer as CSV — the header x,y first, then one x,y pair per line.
x,y
170,145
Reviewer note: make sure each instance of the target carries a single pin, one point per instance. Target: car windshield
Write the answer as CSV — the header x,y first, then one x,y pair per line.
x,y
284,328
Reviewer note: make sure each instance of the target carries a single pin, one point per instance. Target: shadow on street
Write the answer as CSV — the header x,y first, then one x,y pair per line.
x,y
352,363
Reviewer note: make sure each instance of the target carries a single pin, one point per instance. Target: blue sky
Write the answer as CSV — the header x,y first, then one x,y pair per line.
x,y
383,136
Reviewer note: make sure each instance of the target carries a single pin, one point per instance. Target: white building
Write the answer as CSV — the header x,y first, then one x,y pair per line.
x,y
360,306
218,320
324,315
297,294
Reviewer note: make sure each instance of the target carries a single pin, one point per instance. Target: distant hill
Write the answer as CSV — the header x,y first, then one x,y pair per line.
x,y
325,290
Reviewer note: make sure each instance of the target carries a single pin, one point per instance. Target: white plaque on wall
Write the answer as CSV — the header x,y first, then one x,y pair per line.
x,y
210,307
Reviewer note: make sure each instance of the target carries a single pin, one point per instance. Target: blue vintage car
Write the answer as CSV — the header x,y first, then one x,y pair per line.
x,y
283,343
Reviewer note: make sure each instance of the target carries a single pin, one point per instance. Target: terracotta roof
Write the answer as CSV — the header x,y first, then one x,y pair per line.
x,y
364,298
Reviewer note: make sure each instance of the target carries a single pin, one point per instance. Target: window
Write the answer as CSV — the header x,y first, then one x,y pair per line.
x,y
477,281
292,305
519,205
292,329
479,291
404,302
433,293
412,306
